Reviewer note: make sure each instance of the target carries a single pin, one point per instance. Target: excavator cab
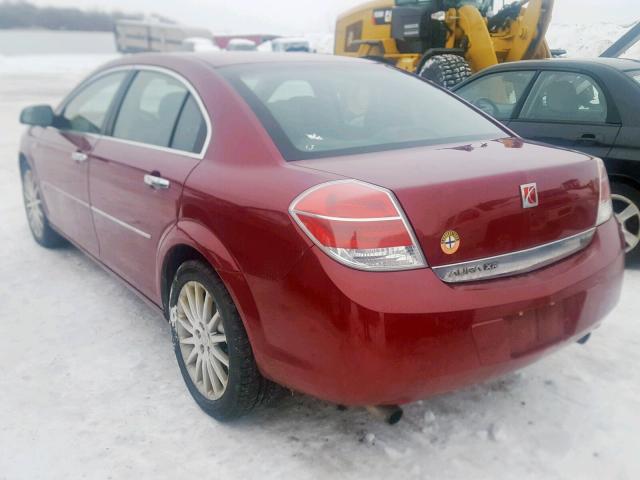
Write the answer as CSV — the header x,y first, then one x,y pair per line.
x,y
444,40
414,27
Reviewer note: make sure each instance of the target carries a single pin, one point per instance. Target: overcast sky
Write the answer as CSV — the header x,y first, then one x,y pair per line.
x,y
318,16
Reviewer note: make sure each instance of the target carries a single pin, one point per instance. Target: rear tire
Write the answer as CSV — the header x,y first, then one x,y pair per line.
x,y
446,70
36,216
207,330
626,206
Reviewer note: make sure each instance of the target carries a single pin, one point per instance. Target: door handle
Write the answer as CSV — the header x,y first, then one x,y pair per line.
x,y
79,157
156,182
588,138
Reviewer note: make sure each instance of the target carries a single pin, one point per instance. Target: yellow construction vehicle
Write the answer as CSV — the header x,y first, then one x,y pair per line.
x,y
444,40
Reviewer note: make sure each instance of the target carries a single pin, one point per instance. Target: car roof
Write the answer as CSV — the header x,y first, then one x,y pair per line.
x,y
622,64
223,59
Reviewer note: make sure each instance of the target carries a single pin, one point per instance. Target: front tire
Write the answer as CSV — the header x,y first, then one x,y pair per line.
x,y
626,206
446,70
211,345
36,216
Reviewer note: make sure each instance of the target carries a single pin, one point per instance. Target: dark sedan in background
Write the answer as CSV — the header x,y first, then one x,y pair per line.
x,y
591,105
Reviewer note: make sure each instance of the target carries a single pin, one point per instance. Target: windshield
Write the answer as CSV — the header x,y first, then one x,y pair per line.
x,y
316,110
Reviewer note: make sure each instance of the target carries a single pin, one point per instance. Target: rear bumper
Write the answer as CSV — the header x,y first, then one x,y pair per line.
x,y
365,338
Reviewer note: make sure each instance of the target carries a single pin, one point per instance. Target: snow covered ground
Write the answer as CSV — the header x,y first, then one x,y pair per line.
x,y
589,40
89,387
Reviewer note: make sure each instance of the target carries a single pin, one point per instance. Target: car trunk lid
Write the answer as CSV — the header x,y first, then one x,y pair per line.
x,y
475,191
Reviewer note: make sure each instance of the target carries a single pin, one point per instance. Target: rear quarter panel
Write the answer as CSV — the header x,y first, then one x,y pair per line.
x,y
241,193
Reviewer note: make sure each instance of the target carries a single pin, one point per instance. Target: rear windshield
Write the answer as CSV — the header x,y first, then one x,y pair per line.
x,y
317,110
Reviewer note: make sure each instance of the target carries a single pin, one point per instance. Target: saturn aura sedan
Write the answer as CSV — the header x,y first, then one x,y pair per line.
x,y
331,225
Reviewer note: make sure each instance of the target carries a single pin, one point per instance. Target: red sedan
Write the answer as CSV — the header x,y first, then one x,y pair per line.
x,y
327,224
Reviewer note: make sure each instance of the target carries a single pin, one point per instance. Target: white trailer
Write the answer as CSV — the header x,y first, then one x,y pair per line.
x,y
152,36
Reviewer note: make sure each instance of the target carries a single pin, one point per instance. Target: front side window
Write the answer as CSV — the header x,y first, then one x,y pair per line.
x,y
87,110
497,94
313,110
150,109
565,97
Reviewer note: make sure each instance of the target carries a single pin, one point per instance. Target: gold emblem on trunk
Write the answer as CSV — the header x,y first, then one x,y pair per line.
x,y
450,242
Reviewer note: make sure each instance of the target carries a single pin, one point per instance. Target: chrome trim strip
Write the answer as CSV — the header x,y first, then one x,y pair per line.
x,y
64,194
514,263
203,110
94,209
346,219
121,223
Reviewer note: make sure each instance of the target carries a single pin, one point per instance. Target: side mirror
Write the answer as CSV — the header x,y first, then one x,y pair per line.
x,y
38,115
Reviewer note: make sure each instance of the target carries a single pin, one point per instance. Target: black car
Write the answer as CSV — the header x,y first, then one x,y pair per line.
x,y
591,105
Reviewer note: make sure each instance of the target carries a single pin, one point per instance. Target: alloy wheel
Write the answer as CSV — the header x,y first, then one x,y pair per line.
x,y
33,204
628,215
202,340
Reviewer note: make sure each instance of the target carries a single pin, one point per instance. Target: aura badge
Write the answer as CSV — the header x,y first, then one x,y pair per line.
x,y
450,242
529,194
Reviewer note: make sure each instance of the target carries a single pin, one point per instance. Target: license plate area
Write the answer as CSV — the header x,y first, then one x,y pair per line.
x,y
535,329
526,331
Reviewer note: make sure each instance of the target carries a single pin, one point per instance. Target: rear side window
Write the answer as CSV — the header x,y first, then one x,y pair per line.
x,y
497,94
191,129
150,109
87,110
316,110
565,97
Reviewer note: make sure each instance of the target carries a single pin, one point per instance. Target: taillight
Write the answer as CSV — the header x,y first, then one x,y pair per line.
x,y
605,208
359,225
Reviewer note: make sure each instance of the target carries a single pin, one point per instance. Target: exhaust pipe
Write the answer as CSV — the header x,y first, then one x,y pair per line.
x,y
390,414
584,339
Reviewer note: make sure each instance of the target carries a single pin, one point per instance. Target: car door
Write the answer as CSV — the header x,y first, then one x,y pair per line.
x,y
137,171
498,94
61,156
571,110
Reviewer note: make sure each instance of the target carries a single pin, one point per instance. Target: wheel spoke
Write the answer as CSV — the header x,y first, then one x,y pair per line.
x,y
215,322
198,368
187,312
188,341
192,303
185,325
221,356
626,214
198,300
206,380
630,239
208,308
220,373
192,356
624,208
219,338
218,387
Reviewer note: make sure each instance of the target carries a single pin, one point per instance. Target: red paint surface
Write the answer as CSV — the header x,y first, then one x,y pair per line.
x,y
315,325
